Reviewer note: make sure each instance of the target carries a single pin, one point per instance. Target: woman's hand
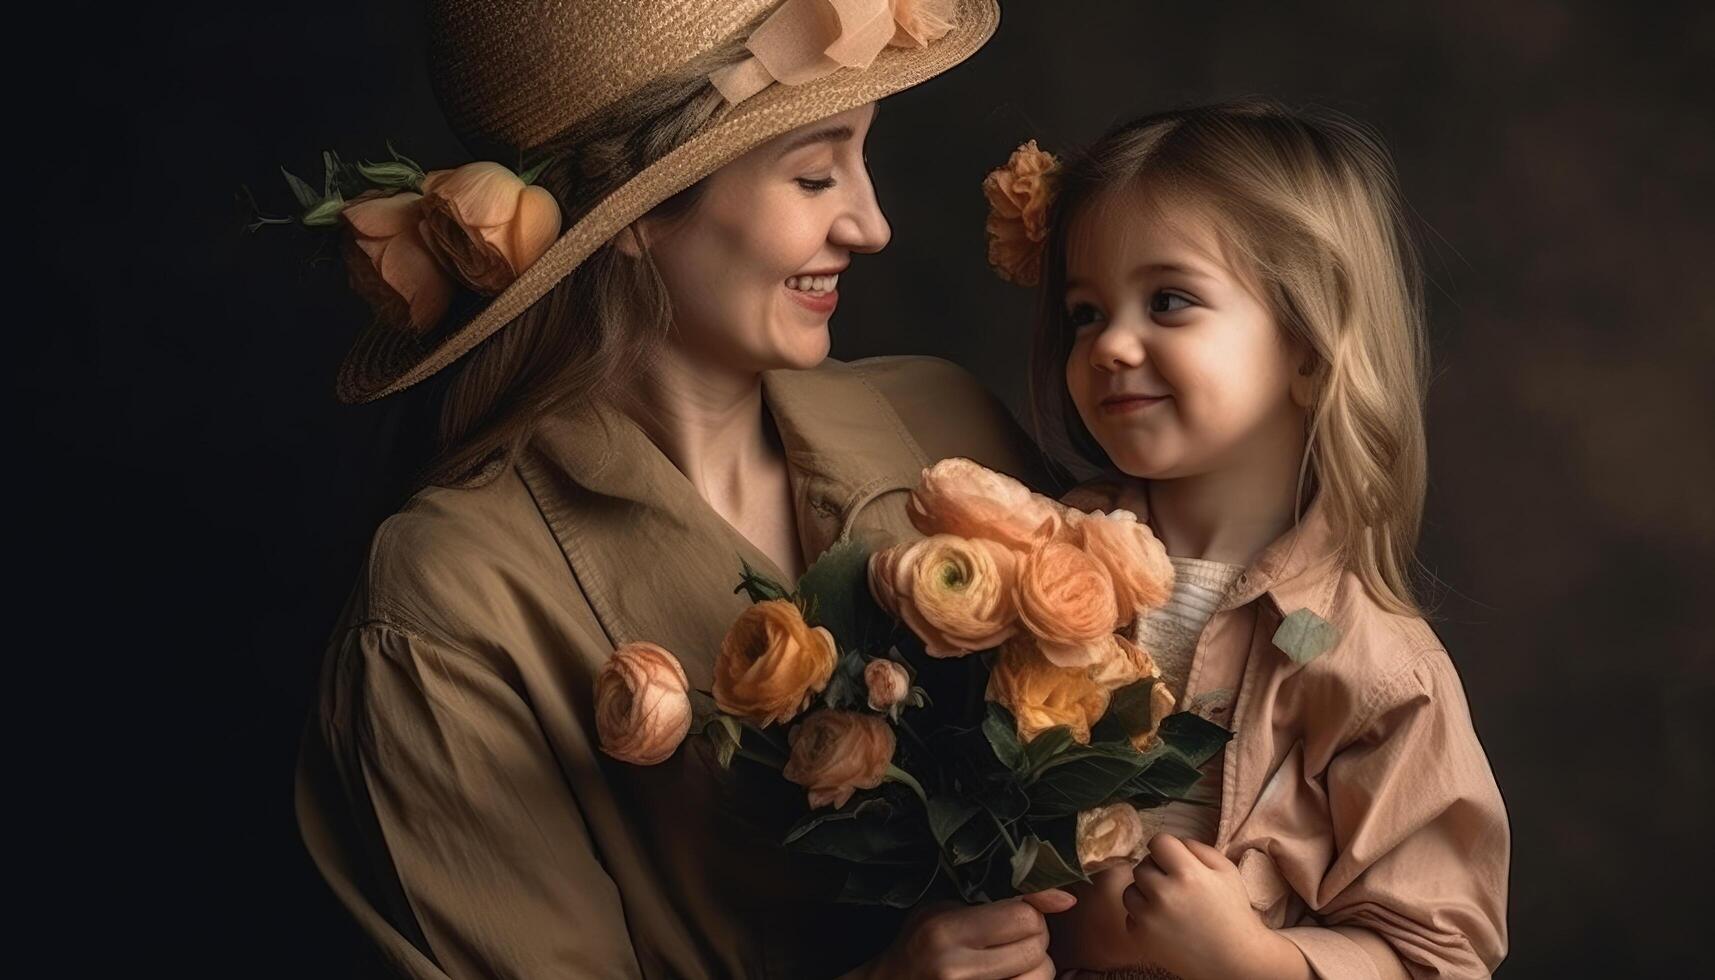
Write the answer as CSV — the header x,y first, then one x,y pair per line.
x,y
1188,907
998,941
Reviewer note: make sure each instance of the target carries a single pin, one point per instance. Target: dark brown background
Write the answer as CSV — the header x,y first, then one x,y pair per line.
x,y
207,503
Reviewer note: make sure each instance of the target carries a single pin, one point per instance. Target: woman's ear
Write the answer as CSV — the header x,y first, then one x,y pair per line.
x,y
1305,379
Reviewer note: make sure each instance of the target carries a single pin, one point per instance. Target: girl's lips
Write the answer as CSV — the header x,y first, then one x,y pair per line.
x,y
822,303
1126,404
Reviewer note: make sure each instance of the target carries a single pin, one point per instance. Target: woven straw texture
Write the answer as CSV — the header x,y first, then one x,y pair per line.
x,y
384,361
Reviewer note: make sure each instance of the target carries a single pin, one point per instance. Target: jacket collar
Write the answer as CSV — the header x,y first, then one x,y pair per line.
x,y
655,561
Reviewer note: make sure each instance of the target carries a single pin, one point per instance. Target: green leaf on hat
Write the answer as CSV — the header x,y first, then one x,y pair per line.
x,y
305,194
325,213
1304,636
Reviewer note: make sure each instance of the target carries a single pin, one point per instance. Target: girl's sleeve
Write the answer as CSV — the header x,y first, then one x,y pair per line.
x,y
480,863
1421,838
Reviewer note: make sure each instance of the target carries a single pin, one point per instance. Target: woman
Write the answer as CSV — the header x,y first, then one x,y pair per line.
x,y
647,405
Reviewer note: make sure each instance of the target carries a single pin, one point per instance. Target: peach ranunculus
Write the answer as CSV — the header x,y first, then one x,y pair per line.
x,y
886,682
1109,835
642,704
1041,695
486,224
883,573
955,593
1018,195
772,663
835,753
389,264
1066,600
920,23
1134,558
958,496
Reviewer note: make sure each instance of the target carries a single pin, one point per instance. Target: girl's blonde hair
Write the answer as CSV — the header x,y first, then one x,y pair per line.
x,y
1310,203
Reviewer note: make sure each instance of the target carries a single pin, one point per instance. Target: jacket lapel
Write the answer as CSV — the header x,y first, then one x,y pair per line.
x,y
655,561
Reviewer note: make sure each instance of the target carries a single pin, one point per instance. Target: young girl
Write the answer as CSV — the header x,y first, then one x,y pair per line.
x,y
1231,327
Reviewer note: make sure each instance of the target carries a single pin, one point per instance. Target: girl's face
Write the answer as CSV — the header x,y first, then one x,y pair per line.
x,y
1178,369
753,269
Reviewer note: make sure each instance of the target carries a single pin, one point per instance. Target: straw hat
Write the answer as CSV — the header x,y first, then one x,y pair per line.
x,y
517,72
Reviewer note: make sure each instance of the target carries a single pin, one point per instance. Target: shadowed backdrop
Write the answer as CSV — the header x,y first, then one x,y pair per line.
x,y
1558,157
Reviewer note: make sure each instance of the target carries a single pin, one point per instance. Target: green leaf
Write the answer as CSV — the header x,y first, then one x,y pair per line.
x,y
1002,732
391,175
1083,778
1167,777
1304,636
1048,745
724,732
1038,865
1128,713
898,884
529,176
760,587
948,813
837,587
324,214
400,157
1193,737
305,194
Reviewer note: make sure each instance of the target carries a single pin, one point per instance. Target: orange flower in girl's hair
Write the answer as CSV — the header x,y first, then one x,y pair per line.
x,y
1018,196
486,224
389,265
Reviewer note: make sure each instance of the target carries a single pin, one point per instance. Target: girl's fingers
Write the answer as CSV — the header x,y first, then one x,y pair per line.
x,y
1136,904
1170,854
1210,857
1050,901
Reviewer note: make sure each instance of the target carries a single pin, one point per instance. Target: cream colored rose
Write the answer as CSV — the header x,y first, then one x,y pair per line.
x,y
956,593
642,704
887,682
1019,194
1066,600
1108,836
920,23
772,663
389,264
1135,559
1124,663
835,753
486,224
1041,695
961,497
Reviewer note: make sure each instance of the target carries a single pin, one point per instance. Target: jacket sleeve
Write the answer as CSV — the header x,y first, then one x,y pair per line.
x,y
1421,837
484,865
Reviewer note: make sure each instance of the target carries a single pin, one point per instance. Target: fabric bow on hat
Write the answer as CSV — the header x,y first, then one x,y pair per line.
x,y
804,40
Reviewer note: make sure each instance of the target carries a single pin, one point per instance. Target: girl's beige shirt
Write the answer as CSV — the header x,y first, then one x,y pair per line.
x,y
1356,799
449,785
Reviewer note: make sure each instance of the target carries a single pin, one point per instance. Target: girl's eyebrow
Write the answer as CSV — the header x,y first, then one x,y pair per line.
x,y
1147,268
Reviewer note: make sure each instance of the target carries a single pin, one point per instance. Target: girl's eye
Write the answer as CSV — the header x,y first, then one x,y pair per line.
x,y
815,184
1166,302
1082,315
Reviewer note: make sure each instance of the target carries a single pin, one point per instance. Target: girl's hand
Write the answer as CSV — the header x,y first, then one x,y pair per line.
x,y
998,941
1189,908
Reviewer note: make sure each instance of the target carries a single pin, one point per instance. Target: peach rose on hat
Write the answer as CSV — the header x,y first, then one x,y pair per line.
x,y
486,224
642,704
390,265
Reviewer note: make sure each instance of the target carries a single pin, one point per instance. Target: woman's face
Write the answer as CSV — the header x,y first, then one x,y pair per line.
x,y
1178,369
753,268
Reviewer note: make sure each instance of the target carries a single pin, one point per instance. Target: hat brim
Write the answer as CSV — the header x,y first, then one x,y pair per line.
x,y
386,360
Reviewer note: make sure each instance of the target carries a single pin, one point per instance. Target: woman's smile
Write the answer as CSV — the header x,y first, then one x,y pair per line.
x,y
817,292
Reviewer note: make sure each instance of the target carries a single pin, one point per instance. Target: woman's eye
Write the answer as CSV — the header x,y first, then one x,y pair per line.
x,y
815,184
1166,302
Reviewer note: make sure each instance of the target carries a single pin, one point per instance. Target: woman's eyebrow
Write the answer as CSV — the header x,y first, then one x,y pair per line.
x,y
830,134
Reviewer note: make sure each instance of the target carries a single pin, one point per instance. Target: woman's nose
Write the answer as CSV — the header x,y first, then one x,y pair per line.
x,y
861,227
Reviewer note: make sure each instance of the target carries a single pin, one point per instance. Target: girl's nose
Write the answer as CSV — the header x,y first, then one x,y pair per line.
x,y
1117,349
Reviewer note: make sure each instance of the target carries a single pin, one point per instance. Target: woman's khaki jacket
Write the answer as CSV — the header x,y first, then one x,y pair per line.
x,y
449,786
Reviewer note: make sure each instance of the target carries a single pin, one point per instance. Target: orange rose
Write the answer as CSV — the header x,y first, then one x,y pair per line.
x,y
883,573
1134,557
955,593
1018,195
836,753
389,264
1125,663
1109,835
887,683
486,224
1041,695
958,496
1066,599
771,663
642,704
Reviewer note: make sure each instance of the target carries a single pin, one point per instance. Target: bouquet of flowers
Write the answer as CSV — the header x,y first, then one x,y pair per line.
x,y
960,710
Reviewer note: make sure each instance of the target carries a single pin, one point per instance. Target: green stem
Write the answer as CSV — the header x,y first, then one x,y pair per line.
x,y
898,775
